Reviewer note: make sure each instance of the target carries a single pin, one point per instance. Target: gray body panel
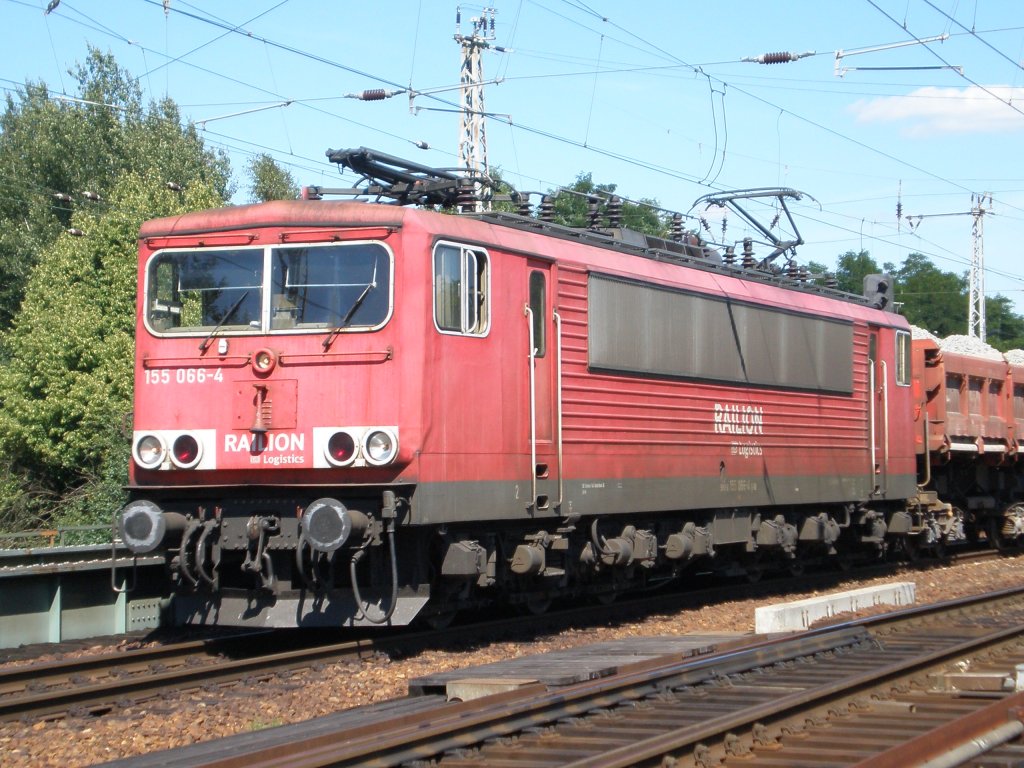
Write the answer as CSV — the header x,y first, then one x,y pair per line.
x,y
465,502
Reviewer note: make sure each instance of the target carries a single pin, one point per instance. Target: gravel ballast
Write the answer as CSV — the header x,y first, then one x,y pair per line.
x,y
201,715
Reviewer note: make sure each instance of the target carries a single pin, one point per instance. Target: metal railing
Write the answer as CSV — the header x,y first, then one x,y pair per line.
x,y
59,536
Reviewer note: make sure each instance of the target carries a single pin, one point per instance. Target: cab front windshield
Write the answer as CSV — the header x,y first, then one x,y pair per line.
x,y
330,287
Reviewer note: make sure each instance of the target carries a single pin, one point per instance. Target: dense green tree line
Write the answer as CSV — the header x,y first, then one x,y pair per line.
x,y
78,179
933,299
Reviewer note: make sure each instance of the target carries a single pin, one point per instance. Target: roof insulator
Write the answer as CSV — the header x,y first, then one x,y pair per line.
x,y
524,204
676,228
546,209
748,253
614,211
593,212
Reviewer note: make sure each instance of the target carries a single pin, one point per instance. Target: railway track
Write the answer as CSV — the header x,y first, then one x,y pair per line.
x,y
95,685
849,695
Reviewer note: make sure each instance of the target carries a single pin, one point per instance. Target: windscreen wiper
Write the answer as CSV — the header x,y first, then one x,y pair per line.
x,y
348,315
227,316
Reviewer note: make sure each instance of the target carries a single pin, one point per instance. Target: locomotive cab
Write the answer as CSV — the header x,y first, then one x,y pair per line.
x,y
273,420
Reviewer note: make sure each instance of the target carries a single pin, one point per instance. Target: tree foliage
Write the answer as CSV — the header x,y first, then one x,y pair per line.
x,y
571,207
1005,328
269,181
932,299
58,147
851,268
68,300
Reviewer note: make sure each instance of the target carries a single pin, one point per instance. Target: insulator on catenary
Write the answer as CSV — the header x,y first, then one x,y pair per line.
x,y
75,232
777,57
61,197
91,196
173,186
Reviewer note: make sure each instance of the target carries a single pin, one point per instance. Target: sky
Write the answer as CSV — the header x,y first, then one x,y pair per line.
x,y
650,95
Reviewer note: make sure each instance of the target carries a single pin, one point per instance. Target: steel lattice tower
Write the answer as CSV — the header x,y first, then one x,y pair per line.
x,y
473,133
976,295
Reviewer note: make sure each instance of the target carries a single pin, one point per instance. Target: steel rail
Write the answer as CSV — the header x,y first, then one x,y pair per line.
x,y
53,688
955,743
17,677
142,680
468,724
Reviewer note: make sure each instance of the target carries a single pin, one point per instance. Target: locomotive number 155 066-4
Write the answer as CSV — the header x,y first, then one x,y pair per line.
x,y
184,376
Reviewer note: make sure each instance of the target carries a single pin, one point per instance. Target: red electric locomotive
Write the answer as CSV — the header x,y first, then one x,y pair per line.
x,y
353,413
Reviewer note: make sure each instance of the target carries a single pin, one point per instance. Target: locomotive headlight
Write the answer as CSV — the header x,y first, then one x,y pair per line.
x,y
380,446
149,451
341,449
186,452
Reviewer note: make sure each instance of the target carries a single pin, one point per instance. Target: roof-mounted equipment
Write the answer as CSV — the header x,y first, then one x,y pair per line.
x,y
404,181
729,199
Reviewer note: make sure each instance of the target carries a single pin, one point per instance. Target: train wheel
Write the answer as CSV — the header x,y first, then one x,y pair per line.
x,y
754,571
843,561
537,606
796,567
441,620
606,598
911,548
994,529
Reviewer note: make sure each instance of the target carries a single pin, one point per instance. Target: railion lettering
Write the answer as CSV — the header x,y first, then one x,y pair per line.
x,y
738,419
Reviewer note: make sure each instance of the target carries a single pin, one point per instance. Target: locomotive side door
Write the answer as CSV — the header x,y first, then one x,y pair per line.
x,y
878,407
543,350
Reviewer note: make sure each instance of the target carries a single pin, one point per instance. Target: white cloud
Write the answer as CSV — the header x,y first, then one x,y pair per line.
x,y
933,111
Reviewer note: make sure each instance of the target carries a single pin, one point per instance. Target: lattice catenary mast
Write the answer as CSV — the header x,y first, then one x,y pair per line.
x,y
976,280
473,134
976,299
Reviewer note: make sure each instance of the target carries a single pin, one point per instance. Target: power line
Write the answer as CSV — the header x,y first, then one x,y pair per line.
x,y
658,167
1010,104
973,34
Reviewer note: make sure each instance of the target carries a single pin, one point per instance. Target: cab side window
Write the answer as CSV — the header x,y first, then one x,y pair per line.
x,y
902,358
461,290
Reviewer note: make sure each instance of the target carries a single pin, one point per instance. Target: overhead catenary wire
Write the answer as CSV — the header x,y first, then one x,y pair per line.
x,y
515,125
963,75
553,136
